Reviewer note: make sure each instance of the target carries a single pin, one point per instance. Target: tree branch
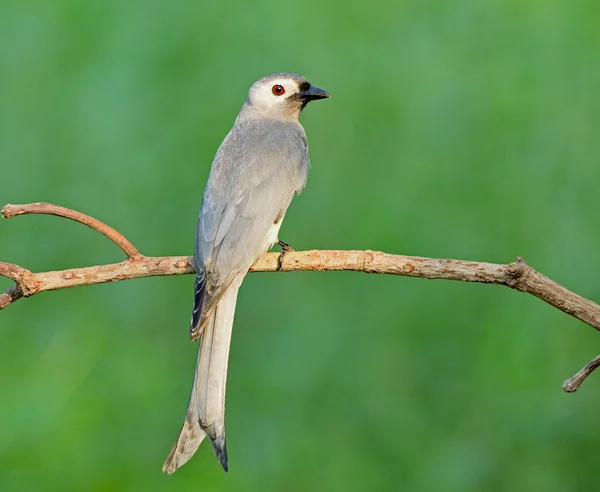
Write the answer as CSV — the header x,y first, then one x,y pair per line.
x,y
517,275
572,384
10,211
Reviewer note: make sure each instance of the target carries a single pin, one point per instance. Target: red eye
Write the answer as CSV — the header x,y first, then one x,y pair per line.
x,y
278,90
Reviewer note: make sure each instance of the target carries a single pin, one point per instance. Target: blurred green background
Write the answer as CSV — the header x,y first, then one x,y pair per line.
x,y
456,129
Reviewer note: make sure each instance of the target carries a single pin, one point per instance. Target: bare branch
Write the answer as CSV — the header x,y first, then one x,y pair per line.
x,y
21,276
517,275
572,384
9,211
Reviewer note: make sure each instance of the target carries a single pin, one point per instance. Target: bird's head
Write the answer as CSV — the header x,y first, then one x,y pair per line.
x,y
283,95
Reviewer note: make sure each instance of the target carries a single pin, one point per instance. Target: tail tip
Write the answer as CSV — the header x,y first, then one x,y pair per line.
x,y
169,466
220,449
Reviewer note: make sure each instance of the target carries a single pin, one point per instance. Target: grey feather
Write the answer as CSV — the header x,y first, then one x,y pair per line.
x,y
257,170
259,167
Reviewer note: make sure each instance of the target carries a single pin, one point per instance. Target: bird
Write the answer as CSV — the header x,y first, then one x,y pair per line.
x,y
259,167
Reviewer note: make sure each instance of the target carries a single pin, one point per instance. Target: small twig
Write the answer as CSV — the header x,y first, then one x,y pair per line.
x,y
572,384
26,283
14,272
517,275
9,211
17,274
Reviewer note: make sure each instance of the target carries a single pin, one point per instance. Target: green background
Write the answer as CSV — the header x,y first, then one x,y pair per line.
x,y
455,129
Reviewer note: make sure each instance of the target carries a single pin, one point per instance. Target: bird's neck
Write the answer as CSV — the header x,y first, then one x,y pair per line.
x,y
289,115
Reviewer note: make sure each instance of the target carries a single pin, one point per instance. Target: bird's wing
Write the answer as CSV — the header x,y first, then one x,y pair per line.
x,y
253,179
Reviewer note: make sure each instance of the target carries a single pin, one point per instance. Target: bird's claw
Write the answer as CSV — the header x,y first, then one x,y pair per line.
x,y
285,248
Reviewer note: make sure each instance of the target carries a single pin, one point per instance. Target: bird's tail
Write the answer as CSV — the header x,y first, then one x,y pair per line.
x,y
206,408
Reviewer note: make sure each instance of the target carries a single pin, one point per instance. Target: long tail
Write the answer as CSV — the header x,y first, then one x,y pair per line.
x,y
206,408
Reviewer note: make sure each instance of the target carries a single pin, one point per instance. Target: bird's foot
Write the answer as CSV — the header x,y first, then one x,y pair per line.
x,y
285,248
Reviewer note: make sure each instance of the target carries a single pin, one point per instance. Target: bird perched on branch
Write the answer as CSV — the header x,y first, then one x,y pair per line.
x,y
257,170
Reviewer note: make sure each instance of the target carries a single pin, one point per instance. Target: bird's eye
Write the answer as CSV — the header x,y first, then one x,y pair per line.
x,y
278,90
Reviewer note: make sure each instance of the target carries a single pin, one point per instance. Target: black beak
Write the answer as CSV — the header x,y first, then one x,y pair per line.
x,y
312,94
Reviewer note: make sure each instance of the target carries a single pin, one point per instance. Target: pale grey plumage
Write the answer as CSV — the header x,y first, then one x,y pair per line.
x,y
257,170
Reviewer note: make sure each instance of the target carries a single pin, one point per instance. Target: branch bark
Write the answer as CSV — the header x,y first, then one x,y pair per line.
x,y
516,275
